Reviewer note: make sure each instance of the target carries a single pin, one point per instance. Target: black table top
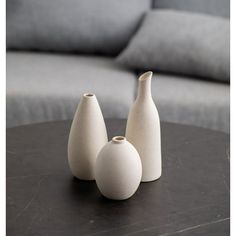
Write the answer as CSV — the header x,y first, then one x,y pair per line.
x,y
191,197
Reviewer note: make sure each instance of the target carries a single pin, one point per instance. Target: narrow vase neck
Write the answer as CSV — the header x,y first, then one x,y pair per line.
x,y
88,97
144,86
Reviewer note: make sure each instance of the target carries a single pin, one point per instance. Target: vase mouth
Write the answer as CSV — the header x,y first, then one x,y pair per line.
x,y
146,76
118,139
89,95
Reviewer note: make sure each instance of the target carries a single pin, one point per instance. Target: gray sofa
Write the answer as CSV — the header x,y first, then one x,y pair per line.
x,y
44,84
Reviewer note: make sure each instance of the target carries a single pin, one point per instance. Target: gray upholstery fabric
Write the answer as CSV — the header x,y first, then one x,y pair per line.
x,y
213,7
191,101
43,87
103,26
183,43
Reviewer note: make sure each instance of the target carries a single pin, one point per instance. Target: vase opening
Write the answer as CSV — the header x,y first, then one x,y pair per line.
x,y
145,76
118,139
89,95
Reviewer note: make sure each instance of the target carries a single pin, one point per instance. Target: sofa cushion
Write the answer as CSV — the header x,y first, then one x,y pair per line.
x,y
182,43
84,26
43,87
212,7
190,101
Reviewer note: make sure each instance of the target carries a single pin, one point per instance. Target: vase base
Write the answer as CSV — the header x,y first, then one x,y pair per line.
x,y
150,180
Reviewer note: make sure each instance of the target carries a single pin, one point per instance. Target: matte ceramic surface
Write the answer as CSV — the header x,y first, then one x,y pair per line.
x,y
87,136
118,169
191,198
143,130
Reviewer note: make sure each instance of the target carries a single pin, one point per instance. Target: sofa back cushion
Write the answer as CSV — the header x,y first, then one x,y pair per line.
x,y
84,26
212,7
181,43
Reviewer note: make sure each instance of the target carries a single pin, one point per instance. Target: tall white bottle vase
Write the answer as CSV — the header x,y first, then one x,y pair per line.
x,y
143,130
87,136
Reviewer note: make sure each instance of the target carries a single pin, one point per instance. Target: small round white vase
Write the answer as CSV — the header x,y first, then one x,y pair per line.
x,y
118,169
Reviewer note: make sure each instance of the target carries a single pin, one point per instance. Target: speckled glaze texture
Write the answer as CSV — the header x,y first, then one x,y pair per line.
x,y
118,169
87,136
143,130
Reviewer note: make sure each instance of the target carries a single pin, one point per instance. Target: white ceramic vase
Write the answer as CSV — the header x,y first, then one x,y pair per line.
x,y
143,130
87,136
118,169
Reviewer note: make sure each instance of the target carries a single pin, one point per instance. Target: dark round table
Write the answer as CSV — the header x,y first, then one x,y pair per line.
x,y
191,197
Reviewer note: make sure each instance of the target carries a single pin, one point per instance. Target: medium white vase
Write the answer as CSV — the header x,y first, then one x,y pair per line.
x,y
143,130
118,169
87,136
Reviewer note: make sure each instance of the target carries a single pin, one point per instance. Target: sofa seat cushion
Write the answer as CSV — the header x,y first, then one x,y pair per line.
x,y
44,87
190,101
